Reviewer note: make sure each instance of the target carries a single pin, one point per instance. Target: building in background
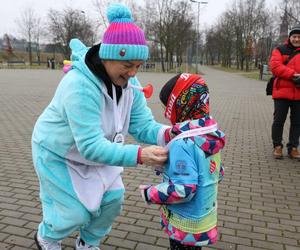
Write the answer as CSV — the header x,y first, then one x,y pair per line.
x,y
284,26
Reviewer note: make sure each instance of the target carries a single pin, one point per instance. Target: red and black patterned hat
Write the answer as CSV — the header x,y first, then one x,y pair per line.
x,y
186,97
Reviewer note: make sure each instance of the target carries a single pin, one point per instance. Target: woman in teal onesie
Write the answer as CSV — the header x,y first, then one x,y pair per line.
x,y
77,142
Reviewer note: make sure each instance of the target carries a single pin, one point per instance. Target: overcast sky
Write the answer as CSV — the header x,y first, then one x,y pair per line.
x,y
11,9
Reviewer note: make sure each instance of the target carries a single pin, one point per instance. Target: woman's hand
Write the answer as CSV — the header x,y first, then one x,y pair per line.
x,y
154,155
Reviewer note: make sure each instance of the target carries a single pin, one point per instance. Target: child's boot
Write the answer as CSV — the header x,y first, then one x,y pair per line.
x,y
46,245
81,245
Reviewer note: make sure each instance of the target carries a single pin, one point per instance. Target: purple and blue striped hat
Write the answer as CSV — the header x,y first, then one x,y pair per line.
x,y
123,40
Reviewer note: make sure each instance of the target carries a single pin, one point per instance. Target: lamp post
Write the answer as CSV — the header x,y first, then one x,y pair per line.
x,y
198,30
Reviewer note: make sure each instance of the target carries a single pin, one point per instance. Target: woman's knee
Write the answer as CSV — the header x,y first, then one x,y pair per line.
x,y
59,217
113,202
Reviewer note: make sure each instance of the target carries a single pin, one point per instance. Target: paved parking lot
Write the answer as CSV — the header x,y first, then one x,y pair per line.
x,y
259,199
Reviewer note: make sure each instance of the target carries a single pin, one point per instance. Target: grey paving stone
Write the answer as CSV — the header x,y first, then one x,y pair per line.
x,y
142,246
19,241
16,230
258,199
141,238
3,235
291,247
268,245
129,244
13,221
5,246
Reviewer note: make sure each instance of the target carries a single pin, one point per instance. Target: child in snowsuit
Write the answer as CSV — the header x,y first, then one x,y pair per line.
x,y
189,188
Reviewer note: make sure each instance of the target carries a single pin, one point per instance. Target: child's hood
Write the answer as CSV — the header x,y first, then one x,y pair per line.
x,y
210,143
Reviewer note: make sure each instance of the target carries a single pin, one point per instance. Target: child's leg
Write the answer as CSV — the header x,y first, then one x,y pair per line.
x,y
102,221
176,245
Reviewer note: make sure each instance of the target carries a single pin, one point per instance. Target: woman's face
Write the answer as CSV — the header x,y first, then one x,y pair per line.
x,y
120,71
295,40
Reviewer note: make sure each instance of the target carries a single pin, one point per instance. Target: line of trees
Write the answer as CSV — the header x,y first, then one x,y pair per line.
x,y
247,32
69,23
29,25
59,28
243,35
239,34
169,28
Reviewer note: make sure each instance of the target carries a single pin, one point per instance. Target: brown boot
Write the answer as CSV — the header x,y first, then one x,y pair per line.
x,y
294,154
278,152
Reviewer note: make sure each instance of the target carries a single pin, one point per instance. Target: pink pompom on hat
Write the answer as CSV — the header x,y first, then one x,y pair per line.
x,y
123,40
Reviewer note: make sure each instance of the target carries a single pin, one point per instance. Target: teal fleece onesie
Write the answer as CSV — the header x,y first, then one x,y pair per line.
x,y
78,165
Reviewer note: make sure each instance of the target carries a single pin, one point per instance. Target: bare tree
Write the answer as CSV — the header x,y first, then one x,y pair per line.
x,y
245,33
220,41
211,45
181,31
293,10
246,17
37,33
101,7
27,24
155,25
169,27
266,35
67,24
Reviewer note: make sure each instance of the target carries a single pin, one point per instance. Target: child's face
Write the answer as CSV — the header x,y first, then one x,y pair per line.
x,y
163,107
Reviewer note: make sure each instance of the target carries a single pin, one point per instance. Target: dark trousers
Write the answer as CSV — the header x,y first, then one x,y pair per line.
x,y
281,108
175,245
